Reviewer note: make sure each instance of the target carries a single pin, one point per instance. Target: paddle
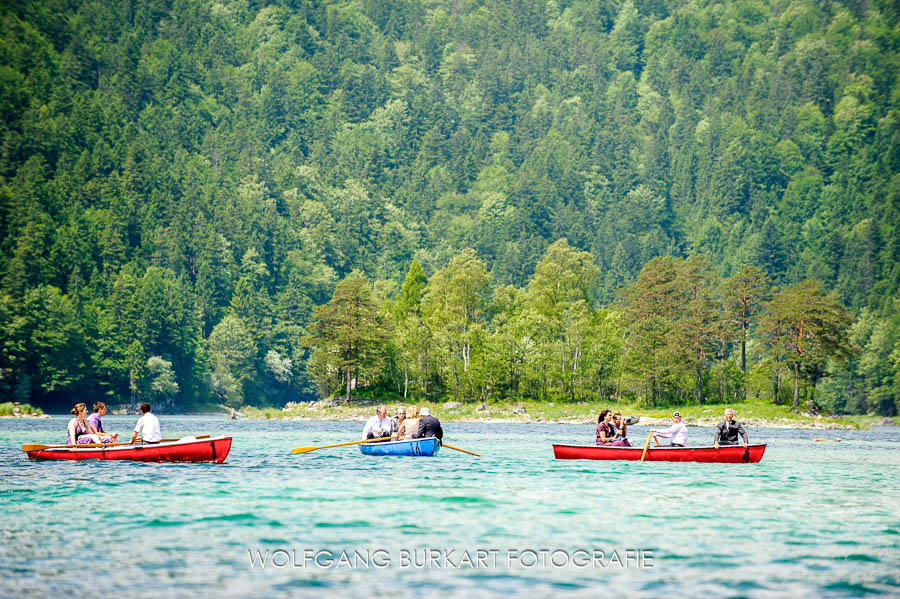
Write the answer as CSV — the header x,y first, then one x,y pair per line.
x,y
308,449
43,447
179,439
35,447
646,445
458,449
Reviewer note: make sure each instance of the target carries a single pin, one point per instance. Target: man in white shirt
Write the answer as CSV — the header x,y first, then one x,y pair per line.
x,y
378,425
147,427
677,433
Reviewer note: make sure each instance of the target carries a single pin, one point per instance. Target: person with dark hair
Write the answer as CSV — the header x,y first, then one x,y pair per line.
x,y
606,431
727,431
79,431
147,427
620,429
377,426
97,425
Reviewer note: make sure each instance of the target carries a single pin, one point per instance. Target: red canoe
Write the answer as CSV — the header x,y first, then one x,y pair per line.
x,y
186,449
734,454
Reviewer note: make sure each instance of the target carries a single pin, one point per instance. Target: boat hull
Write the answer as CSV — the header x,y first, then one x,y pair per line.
x,y
415,447
733,454
213,449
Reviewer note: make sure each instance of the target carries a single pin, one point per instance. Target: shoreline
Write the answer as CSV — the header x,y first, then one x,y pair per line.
x,y
359,411
644,421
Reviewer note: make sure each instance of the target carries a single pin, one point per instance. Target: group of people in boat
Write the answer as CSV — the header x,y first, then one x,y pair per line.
x,y
612,430
86,429
408,423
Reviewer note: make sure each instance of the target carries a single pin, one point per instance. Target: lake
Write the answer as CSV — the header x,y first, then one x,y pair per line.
x,y
814,518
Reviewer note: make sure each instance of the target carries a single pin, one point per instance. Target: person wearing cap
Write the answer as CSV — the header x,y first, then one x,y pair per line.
x,y
677,433
410,425
397,420
727,432
377,426
429,426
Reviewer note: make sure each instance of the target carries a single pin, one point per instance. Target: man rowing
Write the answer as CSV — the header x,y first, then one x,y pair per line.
x,y
727,432
147,427
377,426
677,433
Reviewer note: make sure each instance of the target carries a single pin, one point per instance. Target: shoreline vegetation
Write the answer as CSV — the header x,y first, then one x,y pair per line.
x,y
752,413
9,409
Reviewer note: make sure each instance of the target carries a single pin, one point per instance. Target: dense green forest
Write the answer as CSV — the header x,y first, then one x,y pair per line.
x,y
665,200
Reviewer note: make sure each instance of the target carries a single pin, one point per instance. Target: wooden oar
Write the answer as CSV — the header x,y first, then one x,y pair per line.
x,y
646,445
43,447
35,447
308,449
458,449
180,438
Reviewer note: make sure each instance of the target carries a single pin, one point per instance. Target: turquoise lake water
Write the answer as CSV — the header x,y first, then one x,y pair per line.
x,y
812,519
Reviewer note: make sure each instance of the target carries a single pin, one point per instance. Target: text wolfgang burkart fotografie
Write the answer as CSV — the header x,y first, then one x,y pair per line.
x,y
450,559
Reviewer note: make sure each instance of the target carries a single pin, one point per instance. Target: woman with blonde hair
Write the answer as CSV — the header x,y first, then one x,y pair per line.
x,y
79,431
410,426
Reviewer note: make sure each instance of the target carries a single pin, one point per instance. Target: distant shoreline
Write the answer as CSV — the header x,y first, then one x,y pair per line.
x,y
751,415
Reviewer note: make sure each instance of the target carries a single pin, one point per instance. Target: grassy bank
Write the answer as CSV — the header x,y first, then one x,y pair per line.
x,y
9,409
754,413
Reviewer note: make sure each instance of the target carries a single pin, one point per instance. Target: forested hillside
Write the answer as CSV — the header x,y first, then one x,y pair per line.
x,y
182,182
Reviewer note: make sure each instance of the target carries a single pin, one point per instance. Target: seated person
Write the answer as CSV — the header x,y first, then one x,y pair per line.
x,y
606,431
727,432
397,420
410,425
147,427
377,426
79,431
429,426
620,429
97,425
677,433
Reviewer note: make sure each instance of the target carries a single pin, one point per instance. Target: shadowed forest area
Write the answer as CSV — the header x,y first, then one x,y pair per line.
x,y
250,203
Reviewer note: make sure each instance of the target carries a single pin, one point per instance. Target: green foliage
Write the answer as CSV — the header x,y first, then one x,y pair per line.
x,y
165,168
9,408
347,335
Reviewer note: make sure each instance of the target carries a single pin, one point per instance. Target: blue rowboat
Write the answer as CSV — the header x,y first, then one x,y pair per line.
x,y
416,447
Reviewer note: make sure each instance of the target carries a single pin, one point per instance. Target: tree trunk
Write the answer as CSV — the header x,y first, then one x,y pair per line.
x,y
349,376
744,362
699,380
796,385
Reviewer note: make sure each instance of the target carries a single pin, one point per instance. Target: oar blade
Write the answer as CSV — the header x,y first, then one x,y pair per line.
x,y
308,449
